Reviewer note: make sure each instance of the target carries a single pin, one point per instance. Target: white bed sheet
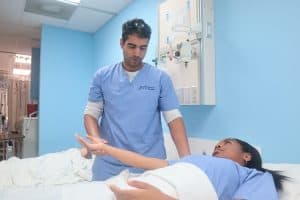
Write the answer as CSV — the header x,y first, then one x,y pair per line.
x,y
75,191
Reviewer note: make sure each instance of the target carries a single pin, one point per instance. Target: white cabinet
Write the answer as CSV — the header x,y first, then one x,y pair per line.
x,y
186,49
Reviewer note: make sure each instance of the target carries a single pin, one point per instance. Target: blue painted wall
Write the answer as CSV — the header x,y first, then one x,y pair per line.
x,y
67,62
257,70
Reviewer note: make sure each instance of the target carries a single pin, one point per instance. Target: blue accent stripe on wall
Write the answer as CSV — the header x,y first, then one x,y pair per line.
x,y
67,66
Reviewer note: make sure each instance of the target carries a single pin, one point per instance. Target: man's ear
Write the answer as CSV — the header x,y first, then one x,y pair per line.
x,y
121,42
247,157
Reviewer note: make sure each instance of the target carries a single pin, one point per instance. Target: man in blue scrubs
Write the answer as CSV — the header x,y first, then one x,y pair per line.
x,y
128,98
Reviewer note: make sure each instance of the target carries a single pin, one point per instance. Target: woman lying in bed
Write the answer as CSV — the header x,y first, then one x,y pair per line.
x,y
235,169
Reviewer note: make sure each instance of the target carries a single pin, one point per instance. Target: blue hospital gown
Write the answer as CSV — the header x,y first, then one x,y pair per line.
x,y
233,181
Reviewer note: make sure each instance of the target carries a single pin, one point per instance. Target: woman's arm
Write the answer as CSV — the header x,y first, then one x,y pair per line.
x,y
125,156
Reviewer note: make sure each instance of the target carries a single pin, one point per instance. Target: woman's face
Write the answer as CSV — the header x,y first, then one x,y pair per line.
x,y
232,150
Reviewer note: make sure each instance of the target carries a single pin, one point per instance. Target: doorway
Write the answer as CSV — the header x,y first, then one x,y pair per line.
x,y
15,87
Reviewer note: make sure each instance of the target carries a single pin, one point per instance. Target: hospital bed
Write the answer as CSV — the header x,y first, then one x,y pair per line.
x,y
66,175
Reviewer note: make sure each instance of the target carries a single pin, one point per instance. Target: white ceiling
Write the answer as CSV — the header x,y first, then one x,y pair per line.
x,y
88,16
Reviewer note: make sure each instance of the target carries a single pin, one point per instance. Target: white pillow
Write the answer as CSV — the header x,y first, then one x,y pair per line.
x,y
291,189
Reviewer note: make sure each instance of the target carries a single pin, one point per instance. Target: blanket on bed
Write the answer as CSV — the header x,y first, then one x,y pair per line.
x,y
49,169
182,181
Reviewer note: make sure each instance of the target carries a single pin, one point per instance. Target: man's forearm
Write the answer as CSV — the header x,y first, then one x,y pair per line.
x,y
179,137
91,126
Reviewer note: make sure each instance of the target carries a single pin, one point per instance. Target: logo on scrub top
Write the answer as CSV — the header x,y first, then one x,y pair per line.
x,y
146,87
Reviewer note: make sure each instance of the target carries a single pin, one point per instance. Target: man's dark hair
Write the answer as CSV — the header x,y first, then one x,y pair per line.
x,y
136,26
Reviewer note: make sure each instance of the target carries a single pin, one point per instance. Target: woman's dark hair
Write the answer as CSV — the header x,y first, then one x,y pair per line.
x,y
256,163
136,26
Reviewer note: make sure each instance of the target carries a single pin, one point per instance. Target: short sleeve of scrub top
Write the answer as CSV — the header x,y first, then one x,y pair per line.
x,y
167,98
95,93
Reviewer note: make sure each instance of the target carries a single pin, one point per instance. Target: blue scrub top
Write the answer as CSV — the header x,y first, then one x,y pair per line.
x,y
233,181
131,114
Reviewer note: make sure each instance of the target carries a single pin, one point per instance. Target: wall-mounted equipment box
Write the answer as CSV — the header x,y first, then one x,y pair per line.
x,y
186,49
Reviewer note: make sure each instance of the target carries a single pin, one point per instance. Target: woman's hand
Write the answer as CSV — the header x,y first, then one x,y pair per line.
x,y
143,191
94,146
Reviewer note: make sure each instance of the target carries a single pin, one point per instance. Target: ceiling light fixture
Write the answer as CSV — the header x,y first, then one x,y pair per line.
x,y
21,58
51,8
22,72
72,2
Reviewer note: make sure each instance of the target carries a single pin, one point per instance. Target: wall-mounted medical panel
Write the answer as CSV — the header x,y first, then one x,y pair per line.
x,y
186,49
